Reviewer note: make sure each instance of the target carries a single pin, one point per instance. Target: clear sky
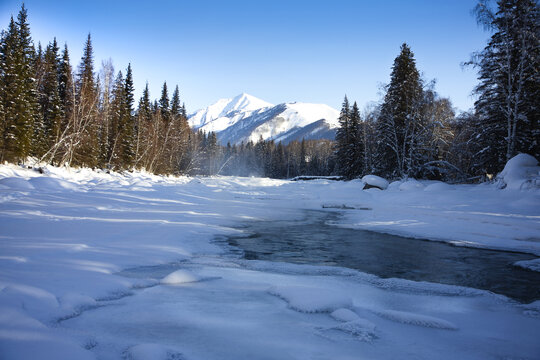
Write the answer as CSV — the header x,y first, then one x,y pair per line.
x,y
279,51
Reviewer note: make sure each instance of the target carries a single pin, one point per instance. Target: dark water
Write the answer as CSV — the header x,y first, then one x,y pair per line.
x,y
312,241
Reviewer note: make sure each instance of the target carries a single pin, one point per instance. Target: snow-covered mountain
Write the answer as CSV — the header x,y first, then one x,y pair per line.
x,y
246,118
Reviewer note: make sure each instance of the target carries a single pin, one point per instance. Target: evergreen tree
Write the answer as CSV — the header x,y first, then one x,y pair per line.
x,y
164,103
65,87
48,134
507,107
343,140
400,119
86,129
19,97
176,109
128,126
355,148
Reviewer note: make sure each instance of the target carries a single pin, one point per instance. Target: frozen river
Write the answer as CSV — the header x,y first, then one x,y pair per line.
x,y
314,241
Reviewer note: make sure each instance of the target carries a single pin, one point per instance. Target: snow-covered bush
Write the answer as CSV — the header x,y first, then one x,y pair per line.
x,y
521,172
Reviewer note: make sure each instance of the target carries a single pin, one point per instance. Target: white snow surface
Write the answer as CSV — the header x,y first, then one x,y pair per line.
x,y
75,243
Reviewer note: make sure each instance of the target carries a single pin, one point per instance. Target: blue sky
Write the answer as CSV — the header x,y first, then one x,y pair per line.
x,y
309,51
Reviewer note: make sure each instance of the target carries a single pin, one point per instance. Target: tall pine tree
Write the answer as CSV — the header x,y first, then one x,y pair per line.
x,y
508,107
19,96
400,119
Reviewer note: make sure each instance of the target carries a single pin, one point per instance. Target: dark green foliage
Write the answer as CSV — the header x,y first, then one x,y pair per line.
x,y
400,119
164,103
49,130
19,96
85,124
508,107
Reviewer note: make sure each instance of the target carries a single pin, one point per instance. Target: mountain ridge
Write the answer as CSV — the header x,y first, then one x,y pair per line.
x,y
247,118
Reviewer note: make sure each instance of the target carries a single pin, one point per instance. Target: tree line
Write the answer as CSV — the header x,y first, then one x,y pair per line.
x,y
414,132
84,117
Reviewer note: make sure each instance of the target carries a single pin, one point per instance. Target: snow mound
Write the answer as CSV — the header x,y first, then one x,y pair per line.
x,y
438,186
416,319
33,299
151,352
45,183
16,183
344,315
310,299
375,181
411,185
533,265
180,277
520,173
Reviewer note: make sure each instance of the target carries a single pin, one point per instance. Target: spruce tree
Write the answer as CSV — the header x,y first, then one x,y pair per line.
x,y
343,140
19,97
50,104
86,128
176,109
400,119
128,124
164,103
355,148
507,107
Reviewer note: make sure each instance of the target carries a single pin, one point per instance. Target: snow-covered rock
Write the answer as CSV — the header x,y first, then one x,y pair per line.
x,y
520,172
180,277
375,181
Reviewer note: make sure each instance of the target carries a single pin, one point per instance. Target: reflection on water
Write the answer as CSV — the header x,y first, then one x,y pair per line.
x,y
313,241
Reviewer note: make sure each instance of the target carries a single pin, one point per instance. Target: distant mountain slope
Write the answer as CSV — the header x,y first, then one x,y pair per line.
x,y
226,112
246,118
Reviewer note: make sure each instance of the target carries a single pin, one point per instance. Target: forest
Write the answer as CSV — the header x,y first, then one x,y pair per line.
x,y
83,117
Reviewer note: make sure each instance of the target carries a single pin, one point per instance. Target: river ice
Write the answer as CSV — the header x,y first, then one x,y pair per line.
x,y
111,266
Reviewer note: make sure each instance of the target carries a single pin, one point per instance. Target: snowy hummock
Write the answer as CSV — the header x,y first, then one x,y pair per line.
x,y
180,277
520,172
377,181
88,259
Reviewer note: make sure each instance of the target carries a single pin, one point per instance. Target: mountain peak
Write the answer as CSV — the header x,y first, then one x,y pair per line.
x,y
225,112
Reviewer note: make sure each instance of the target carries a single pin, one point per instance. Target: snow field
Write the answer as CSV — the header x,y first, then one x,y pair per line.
x,y
68,236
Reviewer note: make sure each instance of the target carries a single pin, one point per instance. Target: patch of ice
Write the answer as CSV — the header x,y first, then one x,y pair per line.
x,y
416,319
533,265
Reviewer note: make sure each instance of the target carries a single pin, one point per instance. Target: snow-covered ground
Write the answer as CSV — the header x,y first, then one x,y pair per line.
x,y
76,243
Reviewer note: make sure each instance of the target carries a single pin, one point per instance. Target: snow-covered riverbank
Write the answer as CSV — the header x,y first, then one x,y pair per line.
x,y
65,234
